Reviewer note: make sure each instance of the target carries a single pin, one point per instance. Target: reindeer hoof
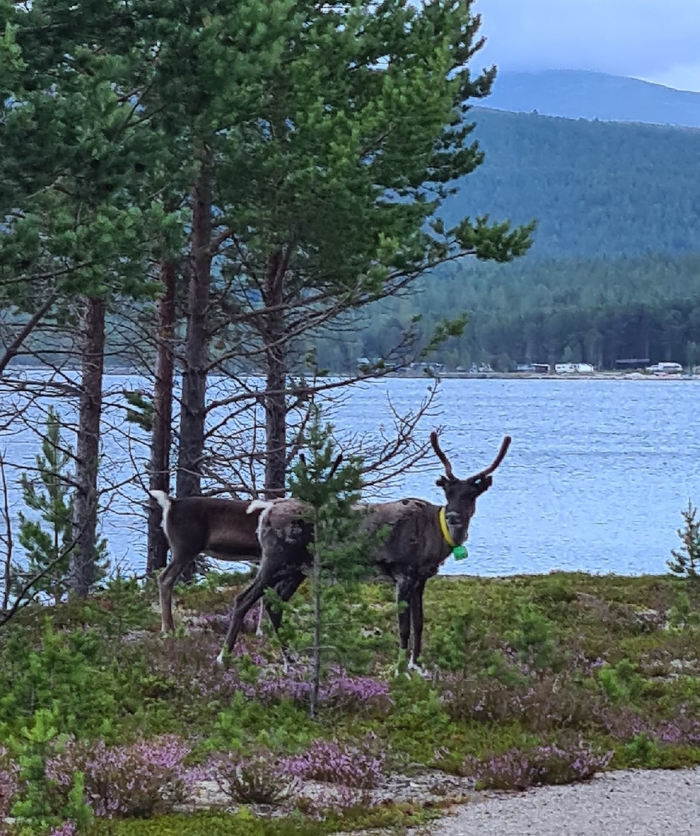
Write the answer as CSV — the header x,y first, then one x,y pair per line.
x,y
414,667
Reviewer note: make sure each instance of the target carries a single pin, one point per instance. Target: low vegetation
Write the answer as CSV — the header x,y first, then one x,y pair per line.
x,y
108,728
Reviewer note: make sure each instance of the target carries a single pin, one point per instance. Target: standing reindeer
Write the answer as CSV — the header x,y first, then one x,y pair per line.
x,y
222,528
420,537
226,529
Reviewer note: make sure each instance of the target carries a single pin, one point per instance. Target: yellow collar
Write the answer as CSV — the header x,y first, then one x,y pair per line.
x,y
445,530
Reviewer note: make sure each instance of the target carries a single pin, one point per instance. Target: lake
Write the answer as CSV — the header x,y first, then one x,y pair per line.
x,y
595,480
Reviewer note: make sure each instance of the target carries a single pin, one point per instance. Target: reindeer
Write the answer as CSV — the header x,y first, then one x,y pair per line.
x,y
223,528
420,536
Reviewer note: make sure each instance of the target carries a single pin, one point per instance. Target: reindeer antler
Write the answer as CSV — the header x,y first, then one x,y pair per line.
x,y
443,458
336,465
505,444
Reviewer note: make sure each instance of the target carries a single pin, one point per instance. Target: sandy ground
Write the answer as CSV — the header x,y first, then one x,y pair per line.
x,y
629,803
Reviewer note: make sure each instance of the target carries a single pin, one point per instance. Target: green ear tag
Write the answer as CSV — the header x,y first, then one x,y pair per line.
x,y
460,552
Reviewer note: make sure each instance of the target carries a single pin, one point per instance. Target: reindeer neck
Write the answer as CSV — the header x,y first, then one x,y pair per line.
x,y
444,529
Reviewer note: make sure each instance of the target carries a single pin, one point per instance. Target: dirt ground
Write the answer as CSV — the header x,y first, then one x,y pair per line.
x,y
626,803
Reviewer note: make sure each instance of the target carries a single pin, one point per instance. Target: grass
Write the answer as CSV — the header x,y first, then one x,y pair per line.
x,y
534,679
245,823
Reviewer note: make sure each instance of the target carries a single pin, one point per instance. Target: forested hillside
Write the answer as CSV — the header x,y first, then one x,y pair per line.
x,y
596,188
614,271
611,273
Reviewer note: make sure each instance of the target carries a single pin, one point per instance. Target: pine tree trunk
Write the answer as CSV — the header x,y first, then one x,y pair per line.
x,y
162,417
316,581
194,376
82,566
276,380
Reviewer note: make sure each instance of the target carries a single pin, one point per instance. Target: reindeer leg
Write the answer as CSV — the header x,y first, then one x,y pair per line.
x,y
417,621
284,590
261,615
405,585
244,601
166,582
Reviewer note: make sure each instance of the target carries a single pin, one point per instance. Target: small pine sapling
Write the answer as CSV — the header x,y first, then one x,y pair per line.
x,y
331,491
46,542
686,562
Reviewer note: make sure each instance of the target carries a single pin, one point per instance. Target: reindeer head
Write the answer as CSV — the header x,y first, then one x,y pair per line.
x,y
461,494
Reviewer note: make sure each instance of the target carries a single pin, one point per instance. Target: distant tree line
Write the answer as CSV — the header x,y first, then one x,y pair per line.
x,y
575,310
596,311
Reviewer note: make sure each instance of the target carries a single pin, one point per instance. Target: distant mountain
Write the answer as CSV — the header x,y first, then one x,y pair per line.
x,y
579,94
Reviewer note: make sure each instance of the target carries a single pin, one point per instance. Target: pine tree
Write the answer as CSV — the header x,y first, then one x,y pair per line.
x,y
686,560
331,491
47,541
81,179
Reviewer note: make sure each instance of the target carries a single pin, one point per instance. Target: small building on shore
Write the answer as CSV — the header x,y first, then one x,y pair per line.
x,y
632,363
665,368
574,368
534,368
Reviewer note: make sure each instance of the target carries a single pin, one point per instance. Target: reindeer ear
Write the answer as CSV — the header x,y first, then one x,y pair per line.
x,y
441,482
482,483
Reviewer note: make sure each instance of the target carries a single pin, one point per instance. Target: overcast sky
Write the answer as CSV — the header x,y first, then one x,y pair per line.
x,y
656,40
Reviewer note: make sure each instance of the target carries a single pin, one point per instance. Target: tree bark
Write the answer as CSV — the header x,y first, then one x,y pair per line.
x,y
157,556
82,565
316,581
194,375
276,379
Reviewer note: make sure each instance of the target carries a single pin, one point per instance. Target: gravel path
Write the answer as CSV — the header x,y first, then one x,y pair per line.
x,y
627,803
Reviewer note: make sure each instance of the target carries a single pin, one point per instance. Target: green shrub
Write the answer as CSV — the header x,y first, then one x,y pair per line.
x,y
533,637
621,683
63,674
686,561
643,751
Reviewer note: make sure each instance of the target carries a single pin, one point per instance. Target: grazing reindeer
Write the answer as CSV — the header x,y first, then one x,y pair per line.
x,y
420,537
223,528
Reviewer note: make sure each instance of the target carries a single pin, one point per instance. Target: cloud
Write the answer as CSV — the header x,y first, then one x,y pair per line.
x,y
680,76
643,38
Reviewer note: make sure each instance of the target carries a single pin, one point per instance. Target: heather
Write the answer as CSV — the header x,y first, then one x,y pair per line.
x,y
551,764
108,727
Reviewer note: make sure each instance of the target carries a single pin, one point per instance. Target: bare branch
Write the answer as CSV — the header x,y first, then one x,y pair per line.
x,y
7,537
13,348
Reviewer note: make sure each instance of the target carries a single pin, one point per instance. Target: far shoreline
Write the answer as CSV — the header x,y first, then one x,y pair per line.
x,y
607,375
416,374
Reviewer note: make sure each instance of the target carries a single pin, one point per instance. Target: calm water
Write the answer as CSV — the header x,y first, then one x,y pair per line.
x,y
595,480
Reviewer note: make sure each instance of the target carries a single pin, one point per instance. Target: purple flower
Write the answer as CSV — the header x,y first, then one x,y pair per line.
x,y
9,784
68,828
133,780
551,764
338,763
